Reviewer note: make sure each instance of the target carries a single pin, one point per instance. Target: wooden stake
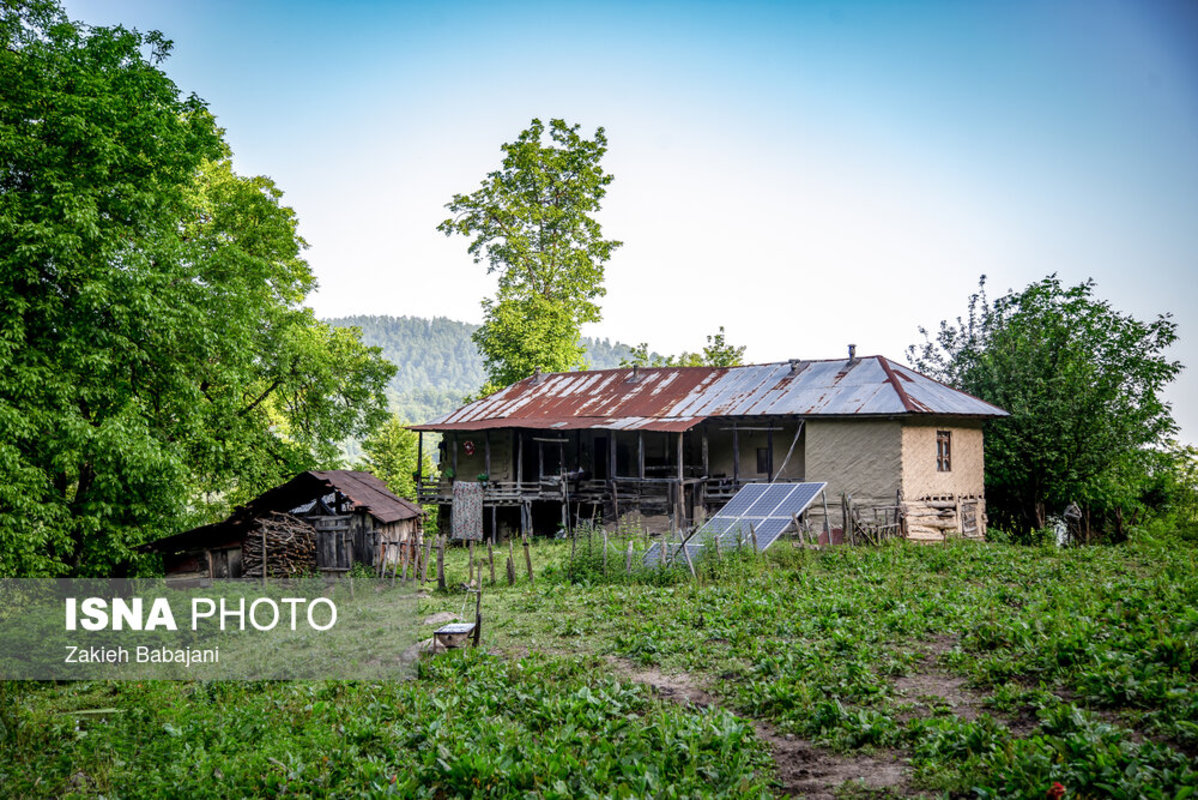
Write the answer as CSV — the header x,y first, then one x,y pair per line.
x,y
441,562
511,572
753,533
428,552
628,559
491,561
686,554
528,562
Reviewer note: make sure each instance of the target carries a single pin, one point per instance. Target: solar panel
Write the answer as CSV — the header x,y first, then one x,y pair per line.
x,y
762,509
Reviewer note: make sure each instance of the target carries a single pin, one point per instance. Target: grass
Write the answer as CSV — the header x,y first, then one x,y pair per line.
x,y
1080,667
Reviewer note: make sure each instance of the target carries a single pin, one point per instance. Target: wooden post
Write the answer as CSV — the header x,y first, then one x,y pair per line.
x,y
428,551
441,562
528,562
753,533
715,541
491,561
611,455
605,551
706,458
511,563
827,524
798,528
419,462
470,572
686,554
519,458
487,453
640,454
769,448
735,457
454,460
628,559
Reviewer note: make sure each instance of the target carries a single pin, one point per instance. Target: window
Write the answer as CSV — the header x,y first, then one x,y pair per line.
x,y
764,467
944,451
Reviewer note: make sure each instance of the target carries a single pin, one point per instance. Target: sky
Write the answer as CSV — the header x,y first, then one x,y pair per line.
x,y
806,175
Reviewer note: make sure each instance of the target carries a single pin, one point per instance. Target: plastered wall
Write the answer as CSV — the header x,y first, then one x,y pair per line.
x,y
858,457
921,478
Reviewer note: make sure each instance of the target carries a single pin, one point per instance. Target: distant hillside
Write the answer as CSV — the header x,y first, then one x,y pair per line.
x,y
438,363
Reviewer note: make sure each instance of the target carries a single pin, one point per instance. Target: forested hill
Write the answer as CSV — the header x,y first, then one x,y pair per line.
x,y
437,362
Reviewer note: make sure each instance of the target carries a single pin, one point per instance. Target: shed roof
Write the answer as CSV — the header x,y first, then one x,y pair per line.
x,y
364,491
678,398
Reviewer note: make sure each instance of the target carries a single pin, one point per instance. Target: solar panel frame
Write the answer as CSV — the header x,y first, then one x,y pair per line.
x,y
774,506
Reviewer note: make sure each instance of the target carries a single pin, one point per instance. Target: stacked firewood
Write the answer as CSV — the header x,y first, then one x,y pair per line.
x,y
290,547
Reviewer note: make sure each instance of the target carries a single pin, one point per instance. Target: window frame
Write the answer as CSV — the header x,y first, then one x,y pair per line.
x,y
944,451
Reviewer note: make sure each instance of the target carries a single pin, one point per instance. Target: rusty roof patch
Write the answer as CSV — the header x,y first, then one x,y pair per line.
x,y
677,398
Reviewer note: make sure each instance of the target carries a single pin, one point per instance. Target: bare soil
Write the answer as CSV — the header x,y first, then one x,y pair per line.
x,y
802,768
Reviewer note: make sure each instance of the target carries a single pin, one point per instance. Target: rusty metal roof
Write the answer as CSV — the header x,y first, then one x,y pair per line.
x,y
678,398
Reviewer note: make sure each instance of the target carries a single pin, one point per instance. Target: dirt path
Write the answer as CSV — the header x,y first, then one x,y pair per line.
x,y
802,769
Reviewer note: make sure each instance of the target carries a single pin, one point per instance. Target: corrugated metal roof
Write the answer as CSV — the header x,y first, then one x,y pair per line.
x,y
678,398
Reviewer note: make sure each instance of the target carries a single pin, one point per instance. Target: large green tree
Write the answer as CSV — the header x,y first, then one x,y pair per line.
x,y
156,361
1083,384
533,222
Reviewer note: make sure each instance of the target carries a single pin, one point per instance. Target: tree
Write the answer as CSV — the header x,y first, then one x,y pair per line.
x,y
391,453
1082,383
156,362
717,353
533,221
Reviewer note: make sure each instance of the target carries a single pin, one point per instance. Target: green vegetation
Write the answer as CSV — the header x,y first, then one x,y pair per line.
x,y
717,353
156,362
982,670
1082,382
438,364
533,221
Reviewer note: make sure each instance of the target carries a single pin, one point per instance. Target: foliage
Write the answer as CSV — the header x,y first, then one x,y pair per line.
x,y
438,363
155,356
392,455
1082,383
717,353
1071,665
472,725
532,220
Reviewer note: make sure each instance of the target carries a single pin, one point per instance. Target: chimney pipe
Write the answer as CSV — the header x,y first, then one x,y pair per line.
x,y
634,377
536,376
852,352
794,366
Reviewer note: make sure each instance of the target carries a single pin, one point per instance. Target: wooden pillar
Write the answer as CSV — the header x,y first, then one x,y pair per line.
x,y
678,456
518,439
769,447
454,445
680,492
487,453
640,454
540,461
612,455
419,461
706,461
735,456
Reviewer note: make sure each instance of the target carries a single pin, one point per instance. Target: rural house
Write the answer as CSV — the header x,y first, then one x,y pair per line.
x,y
319,521
681,440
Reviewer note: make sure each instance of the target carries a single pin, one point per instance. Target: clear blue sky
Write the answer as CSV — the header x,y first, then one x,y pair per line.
x,y
805,174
